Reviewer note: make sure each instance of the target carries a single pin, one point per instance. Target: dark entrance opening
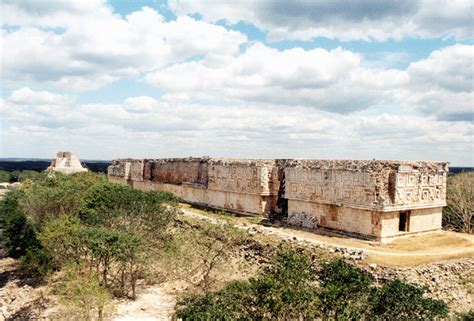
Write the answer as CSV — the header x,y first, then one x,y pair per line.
x,y
403,225
281,209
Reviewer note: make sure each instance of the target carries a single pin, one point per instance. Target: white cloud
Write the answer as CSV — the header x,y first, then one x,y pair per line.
x,y
327,80
50,14
96,46
448,68
443,83
222,100
26,96
353,20
334,81
148,127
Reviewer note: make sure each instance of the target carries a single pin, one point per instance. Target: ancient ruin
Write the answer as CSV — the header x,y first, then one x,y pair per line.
x,y
66,163
370,199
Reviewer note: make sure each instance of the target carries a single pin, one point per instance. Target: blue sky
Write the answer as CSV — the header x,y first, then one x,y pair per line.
x,y
318,79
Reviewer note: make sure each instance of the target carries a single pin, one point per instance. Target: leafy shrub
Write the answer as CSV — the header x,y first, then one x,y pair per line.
x,y
56,195
344,289
397,300
114,205
36,263
283,292
289,290
62,238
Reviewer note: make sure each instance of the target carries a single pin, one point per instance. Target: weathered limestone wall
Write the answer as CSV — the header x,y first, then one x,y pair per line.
x,y
341,218
237,185
421,220
361,197
366,197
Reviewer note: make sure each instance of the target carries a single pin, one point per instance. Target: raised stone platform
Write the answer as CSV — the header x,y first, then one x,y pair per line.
x,y
66,163
374,199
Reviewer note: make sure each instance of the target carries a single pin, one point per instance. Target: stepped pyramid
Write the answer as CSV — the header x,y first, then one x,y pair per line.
x,y
66,163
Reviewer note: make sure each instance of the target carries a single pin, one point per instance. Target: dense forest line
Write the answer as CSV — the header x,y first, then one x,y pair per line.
x,y
17,171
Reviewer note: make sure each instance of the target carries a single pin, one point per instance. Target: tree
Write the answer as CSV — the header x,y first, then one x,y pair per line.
x,y
19,235
121,207
82,295
56,195
59,220
117,256
196,254
62,239
4,177
459,214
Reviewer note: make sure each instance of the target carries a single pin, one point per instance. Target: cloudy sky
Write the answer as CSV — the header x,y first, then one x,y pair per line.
x,y
356,79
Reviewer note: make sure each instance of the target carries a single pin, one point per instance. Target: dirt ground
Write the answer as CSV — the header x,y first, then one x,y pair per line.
x,y
153,303
409,251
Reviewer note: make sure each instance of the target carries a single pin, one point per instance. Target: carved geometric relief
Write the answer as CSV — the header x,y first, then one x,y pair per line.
x,y
330,185
419,187
236,179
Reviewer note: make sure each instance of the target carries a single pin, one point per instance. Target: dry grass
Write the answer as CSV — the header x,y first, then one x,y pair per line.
x,y
409,251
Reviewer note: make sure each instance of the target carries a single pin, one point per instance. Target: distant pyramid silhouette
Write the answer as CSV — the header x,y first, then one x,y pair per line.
x,y
67,163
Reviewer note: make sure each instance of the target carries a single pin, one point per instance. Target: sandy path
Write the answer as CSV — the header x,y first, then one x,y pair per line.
x,y
400,253
152,304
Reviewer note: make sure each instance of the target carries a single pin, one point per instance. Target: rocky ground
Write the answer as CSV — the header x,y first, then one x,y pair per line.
x,y
451,281
19,299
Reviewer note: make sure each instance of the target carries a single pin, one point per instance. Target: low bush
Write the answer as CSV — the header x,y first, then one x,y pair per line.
x,y
344,290
397,300
283,292
291,290
36,263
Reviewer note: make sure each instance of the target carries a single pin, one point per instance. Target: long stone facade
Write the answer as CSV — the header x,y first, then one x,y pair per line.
x,y
371,199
